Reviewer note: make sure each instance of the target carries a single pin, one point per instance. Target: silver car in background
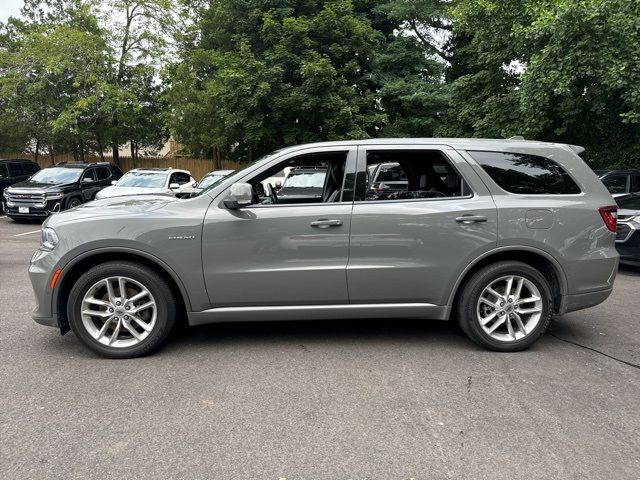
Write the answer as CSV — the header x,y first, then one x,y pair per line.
x,y
148,181
497,234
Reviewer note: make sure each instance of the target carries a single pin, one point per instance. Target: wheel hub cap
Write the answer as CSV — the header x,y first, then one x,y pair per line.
x,y
509,308
119,312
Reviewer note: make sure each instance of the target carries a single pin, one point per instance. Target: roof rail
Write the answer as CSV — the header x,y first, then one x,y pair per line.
x,y
516,137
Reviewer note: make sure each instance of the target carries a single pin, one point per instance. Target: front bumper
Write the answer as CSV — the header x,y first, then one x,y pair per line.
x,y
43,264
35,210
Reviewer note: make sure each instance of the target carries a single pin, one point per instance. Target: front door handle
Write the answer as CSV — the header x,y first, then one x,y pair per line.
x,y
471,219
326,223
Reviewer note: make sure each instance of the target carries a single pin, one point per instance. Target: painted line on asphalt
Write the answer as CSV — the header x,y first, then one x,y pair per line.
x,y
3,216
26,233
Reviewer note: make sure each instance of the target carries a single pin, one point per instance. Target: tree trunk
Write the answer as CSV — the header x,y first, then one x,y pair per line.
x,y
37,151
116,154
81,150
52,155
250,151
100,149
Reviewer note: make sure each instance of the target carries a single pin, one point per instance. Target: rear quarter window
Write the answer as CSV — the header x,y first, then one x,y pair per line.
x,y
526,174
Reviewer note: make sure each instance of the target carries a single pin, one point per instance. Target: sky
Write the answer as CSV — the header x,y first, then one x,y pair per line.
x,y
9,8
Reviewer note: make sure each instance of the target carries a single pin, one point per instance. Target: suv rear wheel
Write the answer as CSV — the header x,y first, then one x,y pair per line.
x,y
121,309
505,306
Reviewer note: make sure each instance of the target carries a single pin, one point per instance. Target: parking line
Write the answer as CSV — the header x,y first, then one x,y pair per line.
x,y
2,216
26,233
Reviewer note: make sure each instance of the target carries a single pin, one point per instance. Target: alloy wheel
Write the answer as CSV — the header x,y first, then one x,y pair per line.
x,y
119,312
509,308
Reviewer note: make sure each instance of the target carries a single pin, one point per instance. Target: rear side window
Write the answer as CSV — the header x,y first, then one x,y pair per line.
x,y
526,174
616,183
103,173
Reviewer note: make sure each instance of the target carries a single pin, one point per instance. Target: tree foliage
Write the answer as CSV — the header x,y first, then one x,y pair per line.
x,y
238,78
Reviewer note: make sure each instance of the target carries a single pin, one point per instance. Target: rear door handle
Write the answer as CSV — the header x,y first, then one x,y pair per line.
x,y
326,223
471,219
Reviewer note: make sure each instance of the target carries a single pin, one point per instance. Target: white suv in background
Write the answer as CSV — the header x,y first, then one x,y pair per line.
x,y
145,181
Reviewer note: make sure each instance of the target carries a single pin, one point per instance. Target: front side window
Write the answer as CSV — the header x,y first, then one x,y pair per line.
x,y
3,171
31,168
90,175
409,174
16,170
55,175
311,178
143,179
526,174
616,183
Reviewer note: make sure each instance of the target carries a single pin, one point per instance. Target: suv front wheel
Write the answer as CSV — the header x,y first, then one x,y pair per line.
x,y
121,309
505,306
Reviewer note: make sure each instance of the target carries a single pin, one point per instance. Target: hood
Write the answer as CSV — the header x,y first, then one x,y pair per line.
x,y
31,185
111,207
115,191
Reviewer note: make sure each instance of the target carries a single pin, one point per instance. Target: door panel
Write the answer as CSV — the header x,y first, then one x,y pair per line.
x,y
414,250
273,255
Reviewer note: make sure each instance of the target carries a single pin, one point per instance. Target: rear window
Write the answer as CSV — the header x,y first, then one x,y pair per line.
x,y
526,174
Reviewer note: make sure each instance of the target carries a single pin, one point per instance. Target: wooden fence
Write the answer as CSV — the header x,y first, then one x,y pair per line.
x,y
197,166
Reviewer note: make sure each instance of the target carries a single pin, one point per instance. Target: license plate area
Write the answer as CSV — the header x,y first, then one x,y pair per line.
x,y
23,209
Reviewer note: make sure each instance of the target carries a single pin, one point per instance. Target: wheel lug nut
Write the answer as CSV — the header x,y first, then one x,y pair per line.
x,y
111,310
118,304
126,317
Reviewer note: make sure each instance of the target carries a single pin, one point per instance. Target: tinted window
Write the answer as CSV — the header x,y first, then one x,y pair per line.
x,y
3,171
16,170
103,173
526,174
90,173
630,203
31,168
616,183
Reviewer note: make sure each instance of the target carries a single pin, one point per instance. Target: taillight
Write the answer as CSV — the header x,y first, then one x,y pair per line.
x,y
610,217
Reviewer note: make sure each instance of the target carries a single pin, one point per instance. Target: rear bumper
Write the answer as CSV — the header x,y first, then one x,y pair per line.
x,y
580,301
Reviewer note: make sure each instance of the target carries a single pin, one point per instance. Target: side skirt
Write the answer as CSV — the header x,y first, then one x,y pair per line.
x,y
319,312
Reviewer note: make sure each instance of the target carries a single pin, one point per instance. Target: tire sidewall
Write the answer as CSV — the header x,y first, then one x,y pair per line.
x,y
156,286
476,286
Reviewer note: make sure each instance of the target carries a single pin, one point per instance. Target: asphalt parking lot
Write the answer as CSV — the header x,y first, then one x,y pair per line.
x,y
319,400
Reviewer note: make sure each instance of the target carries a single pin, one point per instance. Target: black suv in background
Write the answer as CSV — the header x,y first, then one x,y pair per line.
x,y
14,170
59,187
620,182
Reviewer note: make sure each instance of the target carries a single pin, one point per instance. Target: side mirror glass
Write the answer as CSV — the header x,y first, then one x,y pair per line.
x,y
240,194
173,186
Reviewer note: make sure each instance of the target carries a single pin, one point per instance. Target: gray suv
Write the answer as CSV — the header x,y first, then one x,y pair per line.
x,y
497,234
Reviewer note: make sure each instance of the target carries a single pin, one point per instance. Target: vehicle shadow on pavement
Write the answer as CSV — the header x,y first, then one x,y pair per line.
x,y
323,331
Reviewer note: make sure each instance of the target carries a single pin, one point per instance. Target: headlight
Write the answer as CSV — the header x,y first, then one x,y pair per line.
x,y
54,195
5,193
49,239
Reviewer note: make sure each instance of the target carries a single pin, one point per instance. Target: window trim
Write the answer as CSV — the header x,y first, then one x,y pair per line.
x,y
581,193
350,165
362,168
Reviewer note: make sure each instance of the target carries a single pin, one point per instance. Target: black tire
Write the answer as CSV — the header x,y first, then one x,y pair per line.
x,y
154,283
73,202
473,288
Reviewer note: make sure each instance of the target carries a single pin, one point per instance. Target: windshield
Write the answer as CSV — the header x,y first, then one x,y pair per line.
x,y
305,180
143,179
630,203
55,175
210,180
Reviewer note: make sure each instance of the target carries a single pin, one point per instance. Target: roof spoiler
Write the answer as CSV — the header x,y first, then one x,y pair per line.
x,y
577,149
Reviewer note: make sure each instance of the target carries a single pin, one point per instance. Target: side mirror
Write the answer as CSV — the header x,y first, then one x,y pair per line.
x,y
240,195
113,182
278,184
174,186
194,184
